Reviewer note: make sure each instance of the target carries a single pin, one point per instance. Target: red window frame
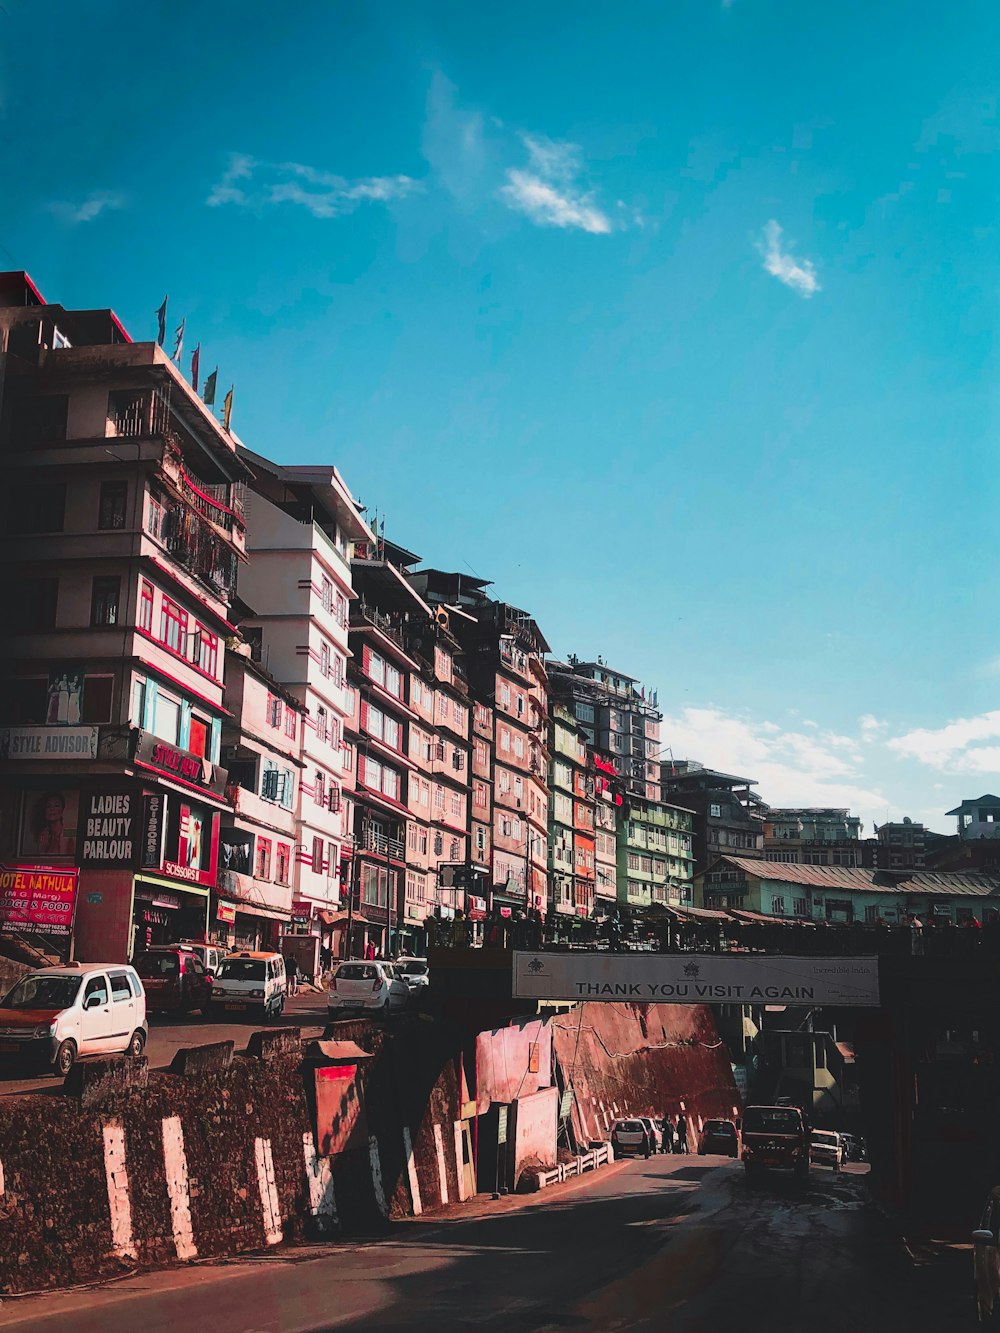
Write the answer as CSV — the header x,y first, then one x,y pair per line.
x,y
283,863
146,606
208,651
262,858
172,617
317,856
291,723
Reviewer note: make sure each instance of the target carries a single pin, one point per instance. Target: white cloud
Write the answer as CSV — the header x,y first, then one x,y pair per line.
x,y
799,275
871,727
956,747
250,183
790,767
548,190
100,201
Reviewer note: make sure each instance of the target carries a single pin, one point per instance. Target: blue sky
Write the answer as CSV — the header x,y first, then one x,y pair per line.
x,y
675,320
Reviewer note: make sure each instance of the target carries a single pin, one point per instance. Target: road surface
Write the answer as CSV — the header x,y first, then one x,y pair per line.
x,y
167,1035
675,1244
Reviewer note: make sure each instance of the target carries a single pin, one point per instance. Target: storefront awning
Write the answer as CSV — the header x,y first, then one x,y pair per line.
x,y
153,882
332,918
244,908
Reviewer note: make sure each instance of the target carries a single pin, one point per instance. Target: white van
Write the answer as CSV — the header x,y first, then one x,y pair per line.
x,y
250,981
55,1014
211,955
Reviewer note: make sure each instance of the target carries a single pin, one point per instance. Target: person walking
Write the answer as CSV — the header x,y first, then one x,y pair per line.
x,y
292,974
682,1133
370,951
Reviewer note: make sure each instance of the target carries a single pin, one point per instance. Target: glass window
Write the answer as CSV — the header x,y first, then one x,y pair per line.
x,y
167,724
111,508
173,625
96,986
146,606
138,712
120,989
104,600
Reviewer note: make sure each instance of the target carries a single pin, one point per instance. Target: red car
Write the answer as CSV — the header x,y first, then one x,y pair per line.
x,y
174,979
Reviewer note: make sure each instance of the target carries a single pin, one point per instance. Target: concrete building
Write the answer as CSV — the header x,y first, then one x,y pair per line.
x,y
812,835
504,653
302,522
261,744
901,846
607,799
123,535
978,819
728,815
844,894
572,865
655,859
622,722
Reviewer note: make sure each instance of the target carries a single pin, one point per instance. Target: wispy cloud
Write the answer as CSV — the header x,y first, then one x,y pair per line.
x,y
250,183
815,767
96,203
871,727
800,275
548,190
956,747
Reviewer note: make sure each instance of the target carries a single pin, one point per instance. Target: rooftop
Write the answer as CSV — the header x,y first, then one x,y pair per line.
x,y
870,881
979,800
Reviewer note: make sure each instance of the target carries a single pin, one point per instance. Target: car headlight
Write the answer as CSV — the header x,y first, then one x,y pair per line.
x,y
44,1030
256,995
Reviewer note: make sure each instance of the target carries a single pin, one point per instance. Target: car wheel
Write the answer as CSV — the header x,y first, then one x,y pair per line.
x,y
135,1047
65,1058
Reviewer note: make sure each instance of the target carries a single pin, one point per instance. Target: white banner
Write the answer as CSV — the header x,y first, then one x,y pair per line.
x,y
48,742
697,978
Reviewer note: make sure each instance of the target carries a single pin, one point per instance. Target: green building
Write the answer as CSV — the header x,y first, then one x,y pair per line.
x,y
655,858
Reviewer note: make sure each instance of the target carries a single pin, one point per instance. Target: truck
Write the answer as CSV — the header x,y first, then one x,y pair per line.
x,y
775,1138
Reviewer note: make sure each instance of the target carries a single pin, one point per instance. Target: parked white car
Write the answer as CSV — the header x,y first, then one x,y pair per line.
x,y
415,973
54,1015
826,1148
363,986
655,1132
250,981
631,1137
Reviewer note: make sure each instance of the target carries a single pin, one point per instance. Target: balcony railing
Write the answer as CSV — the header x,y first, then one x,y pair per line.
x,y
373,841
362,611
194,545
220,504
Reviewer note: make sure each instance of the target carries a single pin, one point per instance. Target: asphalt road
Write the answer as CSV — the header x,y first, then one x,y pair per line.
x,y
677,1244
167,1036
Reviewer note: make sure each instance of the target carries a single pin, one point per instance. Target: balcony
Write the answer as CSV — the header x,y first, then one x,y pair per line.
x,y
194,545
380,843
391,625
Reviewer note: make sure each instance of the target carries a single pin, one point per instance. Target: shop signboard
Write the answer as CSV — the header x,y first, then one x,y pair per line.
x,y
173,762
226,913
697,978
151,852
37,898
108,829
48,742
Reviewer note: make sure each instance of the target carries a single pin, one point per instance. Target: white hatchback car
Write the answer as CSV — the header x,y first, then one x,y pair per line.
x,y
367,985
414,972
56,1014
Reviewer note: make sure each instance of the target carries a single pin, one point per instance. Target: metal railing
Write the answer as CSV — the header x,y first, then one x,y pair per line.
x,y
373,841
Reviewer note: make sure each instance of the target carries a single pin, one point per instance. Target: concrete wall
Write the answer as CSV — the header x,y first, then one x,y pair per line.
x,y
504,1059
533,1133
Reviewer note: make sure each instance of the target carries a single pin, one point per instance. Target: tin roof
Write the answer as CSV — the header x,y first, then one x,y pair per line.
x,y
947,883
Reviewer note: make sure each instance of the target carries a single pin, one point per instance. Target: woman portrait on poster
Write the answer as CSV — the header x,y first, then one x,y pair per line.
x,y
48,826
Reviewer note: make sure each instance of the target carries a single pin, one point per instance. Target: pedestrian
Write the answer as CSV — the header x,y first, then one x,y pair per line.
x,y
370,951
682,1133
292,973
668,1133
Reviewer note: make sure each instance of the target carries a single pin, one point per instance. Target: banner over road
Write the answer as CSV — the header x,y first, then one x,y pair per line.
x,y
689,978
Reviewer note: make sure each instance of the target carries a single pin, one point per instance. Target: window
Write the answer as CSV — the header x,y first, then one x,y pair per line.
x,y
390,783
800,907
777,906
457,760
96,986
283,861
173,624
454,849
32,604
146,606
480,840
332,859
138,713
438,844
111,507
324,658
480,795
274,785
273,711
333,796
104,600
37,508
262,858
319,788
341,610
167,724
376,668
198,736
321,723
504,739
438,798
120,989
291,723
393,681
871,915
326,594
317,856
206,651
715,811
455,804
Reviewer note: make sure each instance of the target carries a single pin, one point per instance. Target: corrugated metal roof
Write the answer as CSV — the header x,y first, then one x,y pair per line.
x,y
950,883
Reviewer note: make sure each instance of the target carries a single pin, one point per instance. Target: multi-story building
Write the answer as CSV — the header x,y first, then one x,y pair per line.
x,y
504,652
622,722
123,533
481,795
654,854
261,741
901,846
568,757
728,815
978,819
302,522
817,836
606,802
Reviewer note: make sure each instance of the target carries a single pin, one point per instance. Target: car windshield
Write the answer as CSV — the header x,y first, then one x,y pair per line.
x,y
771,1120
822,1136
413,969
720,1127
631,1126
157,965
356,972
43,992
241,969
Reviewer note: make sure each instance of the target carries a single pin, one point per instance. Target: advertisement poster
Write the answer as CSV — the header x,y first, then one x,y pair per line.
x,y
65,701
697,978
37,897
108,828
49,823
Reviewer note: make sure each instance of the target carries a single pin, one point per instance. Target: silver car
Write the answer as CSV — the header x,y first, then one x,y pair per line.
x,y
366,986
